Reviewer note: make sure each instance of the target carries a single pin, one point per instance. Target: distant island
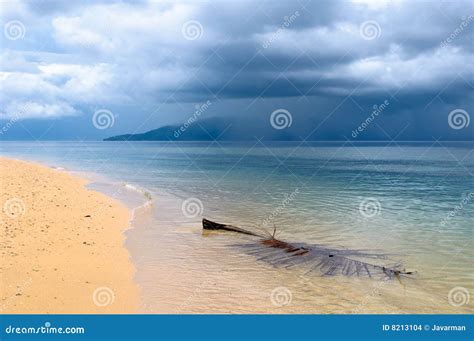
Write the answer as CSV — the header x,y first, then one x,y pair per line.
x,y
209,130
259,127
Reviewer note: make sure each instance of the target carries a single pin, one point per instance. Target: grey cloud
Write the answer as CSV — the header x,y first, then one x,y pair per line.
x,y
134,54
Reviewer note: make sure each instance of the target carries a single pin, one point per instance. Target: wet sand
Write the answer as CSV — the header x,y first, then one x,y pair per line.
x,y
62,245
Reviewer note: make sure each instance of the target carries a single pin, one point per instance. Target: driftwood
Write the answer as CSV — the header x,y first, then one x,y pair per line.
x,y
317,258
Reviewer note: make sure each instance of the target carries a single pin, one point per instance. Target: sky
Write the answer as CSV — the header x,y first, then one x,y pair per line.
x,y
324,70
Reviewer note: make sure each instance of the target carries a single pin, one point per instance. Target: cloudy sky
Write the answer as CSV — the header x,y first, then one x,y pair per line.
x,y
151,63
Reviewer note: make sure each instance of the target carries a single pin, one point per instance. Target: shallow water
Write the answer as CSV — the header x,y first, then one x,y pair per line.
x,y
410,201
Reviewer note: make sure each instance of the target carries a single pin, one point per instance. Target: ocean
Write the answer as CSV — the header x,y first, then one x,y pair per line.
x,y
413,202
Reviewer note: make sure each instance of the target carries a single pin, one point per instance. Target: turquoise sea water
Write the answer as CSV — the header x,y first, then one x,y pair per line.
x,y
412,201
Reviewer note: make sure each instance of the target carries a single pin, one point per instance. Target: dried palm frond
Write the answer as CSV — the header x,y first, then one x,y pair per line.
x,y
317,258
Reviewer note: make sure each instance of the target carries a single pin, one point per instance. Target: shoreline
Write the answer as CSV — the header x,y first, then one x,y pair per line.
x,y
63,245
178,269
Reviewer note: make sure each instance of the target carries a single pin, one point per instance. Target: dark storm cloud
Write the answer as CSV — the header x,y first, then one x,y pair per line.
x,y
305,54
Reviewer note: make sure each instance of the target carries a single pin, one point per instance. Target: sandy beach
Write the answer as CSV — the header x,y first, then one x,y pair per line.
x,y
62,245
